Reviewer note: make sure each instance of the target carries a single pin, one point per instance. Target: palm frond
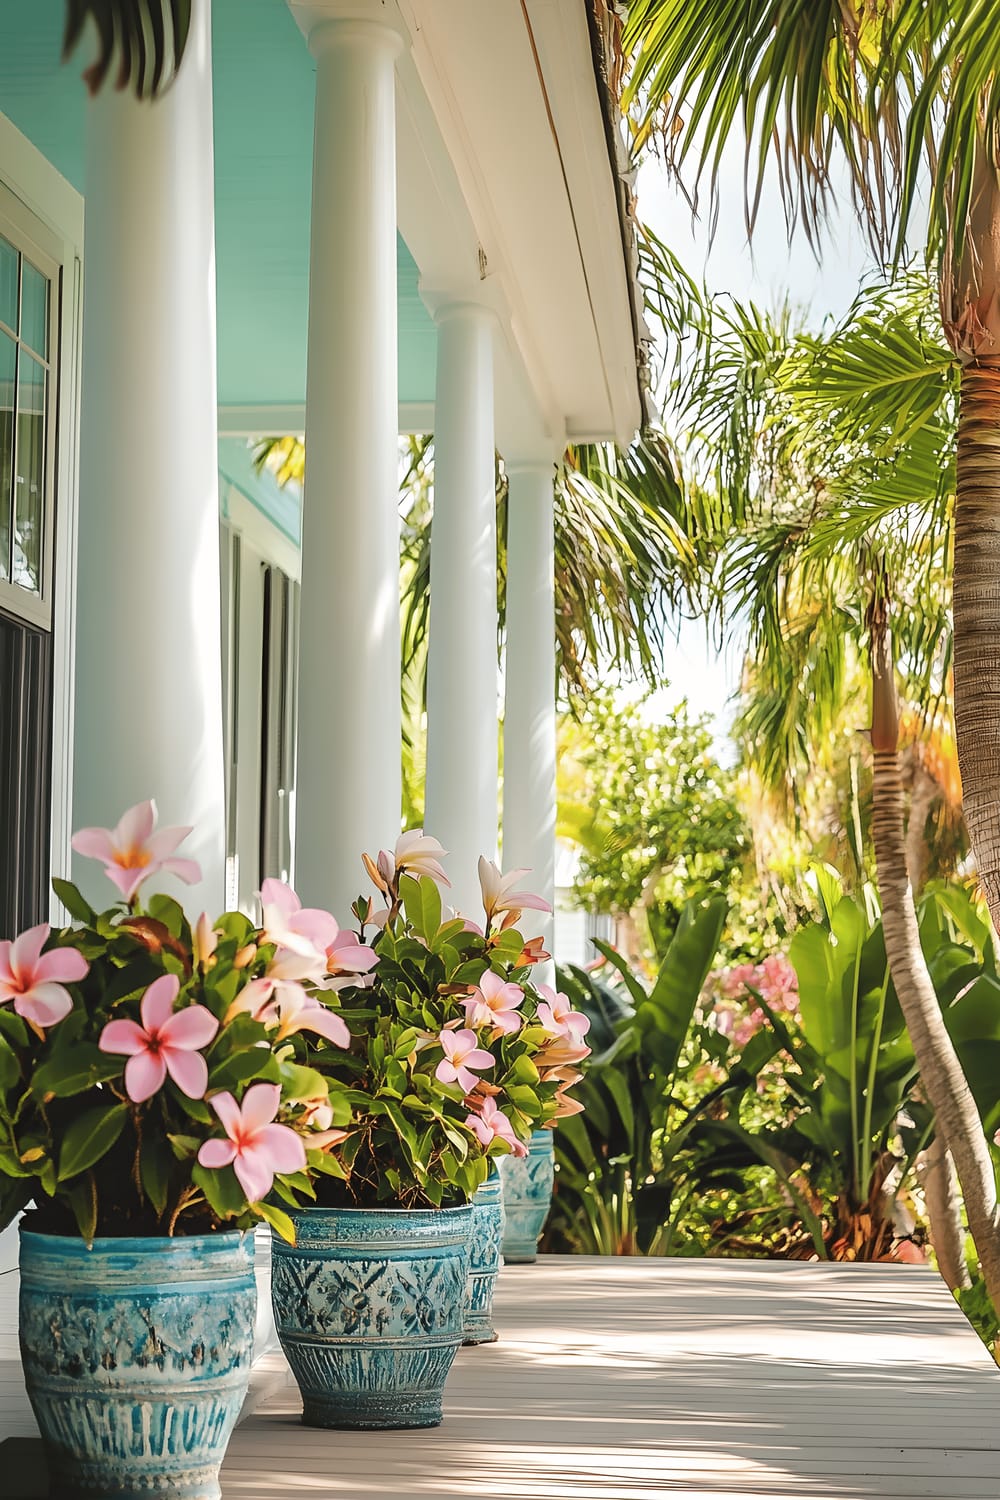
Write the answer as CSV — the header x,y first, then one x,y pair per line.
x,y
148,37
897,91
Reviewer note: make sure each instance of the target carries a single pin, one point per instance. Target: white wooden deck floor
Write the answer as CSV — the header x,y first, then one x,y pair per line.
x,y
624,1379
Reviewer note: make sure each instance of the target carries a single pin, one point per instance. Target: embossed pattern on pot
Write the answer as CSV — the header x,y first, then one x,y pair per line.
x,y
527,1194
137,1356
369,1307
484,1260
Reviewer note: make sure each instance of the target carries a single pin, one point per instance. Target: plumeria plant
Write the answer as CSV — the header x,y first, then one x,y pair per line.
x,y
148,1077
454,1056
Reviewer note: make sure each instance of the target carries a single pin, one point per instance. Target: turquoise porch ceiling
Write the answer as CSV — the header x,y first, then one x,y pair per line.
x,y
264,86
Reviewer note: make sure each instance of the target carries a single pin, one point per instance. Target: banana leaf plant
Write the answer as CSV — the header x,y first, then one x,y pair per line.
x,y
629,1164
857,1114
852,1123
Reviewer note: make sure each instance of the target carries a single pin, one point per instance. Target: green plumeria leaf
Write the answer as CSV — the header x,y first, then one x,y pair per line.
x,y
75,903
73,1070
82,1198
90,1137
279,1221
156,1163
10,1070
222,1191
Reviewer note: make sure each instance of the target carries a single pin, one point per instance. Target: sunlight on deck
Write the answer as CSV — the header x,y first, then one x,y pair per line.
x,y
623,1379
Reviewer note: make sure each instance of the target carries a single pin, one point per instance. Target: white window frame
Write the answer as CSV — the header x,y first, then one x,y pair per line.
x,y
55,211
37,245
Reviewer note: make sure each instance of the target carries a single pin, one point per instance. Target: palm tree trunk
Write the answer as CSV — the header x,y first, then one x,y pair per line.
x,y
937,1170
970,309
947,1089
976,608
922,794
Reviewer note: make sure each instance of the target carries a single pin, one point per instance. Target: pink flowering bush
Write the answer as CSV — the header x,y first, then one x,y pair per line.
x,y
736,994
454,1055
149,1082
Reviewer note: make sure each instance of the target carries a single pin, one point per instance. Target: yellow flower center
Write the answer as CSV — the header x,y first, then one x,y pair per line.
x,y
133,859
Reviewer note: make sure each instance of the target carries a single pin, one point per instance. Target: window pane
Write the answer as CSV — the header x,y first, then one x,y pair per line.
x,y
7,364
8,283
29,480
35,310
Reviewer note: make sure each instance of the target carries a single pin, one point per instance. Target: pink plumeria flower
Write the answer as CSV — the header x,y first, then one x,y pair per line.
x,y
417,854
558,1017
306,930
499,893
491,1124
285,974
347,959
168,1041
461,1054
204,940
34,980
494,1003
255,1146
278,998
300,1011
132,852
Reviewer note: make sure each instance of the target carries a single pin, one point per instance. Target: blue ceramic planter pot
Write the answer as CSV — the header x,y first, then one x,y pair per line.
x,y
136,1359
484,1260
527,1193
369,1305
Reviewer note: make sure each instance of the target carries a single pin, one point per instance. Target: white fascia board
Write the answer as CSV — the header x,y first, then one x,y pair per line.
x,y
562,35
445,220
543,201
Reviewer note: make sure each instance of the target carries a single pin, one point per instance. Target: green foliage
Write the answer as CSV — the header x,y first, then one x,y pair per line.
x,y
655,814
416,1136
795,1135
975,1303
897,93
628,1167
94,1160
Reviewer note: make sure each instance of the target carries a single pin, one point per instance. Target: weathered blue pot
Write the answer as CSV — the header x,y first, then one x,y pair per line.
x,y
369,1305
136,1359
527,1194
484,1260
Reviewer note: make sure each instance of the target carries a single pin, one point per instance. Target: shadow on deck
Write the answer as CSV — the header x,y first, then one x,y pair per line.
x,y
624,1379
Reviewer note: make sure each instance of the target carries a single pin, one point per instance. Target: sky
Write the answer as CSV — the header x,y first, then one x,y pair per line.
x,y
765,273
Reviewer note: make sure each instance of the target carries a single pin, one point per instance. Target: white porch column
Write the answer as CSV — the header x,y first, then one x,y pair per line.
x,y
148,718
462,676
348,789
529,741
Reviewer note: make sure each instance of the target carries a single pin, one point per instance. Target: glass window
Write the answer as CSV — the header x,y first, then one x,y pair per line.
x,y
29,473
34,326
8,283
8,366
25,392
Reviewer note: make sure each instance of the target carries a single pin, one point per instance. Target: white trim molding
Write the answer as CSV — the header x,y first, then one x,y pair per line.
x,y
58,207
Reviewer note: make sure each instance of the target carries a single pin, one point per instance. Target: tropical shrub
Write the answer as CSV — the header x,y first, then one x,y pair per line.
x,y
453,1055
780,1112
655,815
629,1167
147,1082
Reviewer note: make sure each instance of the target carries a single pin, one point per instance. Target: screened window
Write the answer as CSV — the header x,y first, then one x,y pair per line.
x,y
28,288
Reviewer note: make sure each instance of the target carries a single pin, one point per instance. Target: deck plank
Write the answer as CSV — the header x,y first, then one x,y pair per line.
x,y
625,1379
